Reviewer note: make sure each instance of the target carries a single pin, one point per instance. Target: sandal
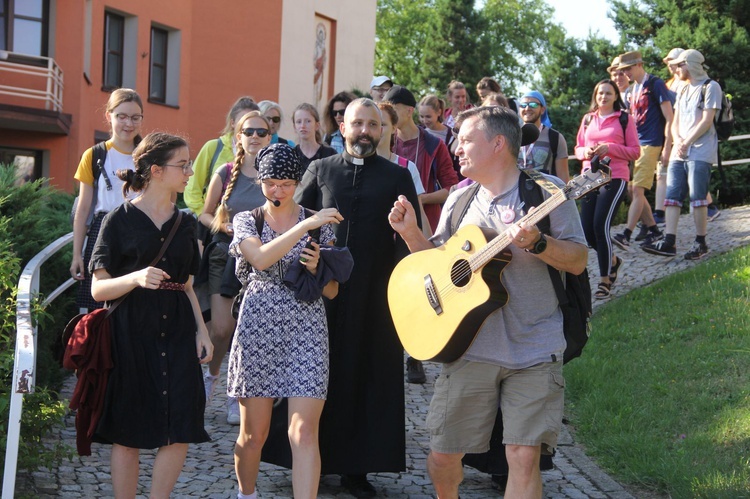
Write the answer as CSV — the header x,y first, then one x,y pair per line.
x,y
615,268
603,291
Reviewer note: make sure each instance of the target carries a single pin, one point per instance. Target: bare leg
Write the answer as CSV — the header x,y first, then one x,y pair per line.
x,y
124,470
673,218
700,217
304,418
222,328
660,193
446,473
639,208
524,477
167,468
255,421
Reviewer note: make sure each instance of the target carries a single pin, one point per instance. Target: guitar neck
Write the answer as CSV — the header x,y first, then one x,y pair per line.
x,y
502,241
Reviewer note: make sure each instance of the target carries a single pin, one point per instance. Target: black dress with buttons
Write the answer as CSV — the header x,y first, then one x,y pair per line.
x,y
155,395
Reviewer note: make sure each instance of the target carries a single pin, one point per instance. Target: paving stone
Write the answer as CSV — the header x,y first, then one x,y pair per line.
x,y
209,468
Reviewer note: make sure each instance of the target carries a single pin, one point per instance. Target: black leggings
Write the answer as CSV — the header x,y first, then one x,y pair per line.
x,y
597,210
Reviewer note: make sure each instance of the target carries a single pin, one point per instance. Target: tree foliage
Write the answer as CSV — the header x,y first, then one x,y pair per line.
x,y
424,44
719,30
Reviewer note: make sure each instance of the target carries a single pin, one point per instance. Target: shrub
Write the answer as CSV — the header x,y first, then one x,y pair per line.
x,y
32,215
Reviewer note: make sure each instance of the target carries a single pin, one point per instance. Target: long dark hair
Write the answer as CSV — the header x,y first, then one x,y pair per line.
x,y
156,148
330,122
618,100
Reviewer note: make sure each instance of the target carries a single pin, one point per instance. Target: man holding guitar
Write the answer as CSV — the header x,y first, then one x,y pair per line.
x,y
518,349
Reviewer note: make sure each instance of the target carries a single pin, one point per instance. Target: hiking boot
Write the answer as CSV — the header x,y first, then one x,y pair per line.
x,y
642,232
697,252
660,248
209,383
652,237
415,371
622,241
233,411
712,212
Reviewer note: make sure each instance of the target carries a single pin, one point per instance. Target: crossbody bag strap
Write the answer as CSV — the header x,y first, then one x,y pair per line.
x,y
164,247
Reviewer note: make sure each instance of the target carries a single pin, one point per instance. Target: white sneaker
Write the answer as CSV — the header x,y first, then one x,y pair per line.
x,y
209,382
233,411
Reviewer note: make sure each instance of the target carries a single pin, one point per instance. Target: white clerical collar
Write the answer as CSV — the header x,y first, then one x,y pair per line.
x,y
358,161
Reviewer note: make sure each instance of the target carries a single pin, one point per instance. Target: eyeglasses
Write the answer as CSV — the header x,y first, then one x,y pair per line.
x,y
285,186
186,167
274,119
260,132
124,118
338,112
532,105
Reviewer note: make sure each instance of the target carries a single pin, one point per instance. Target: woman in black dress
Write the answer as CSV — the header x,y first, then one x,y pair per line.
x,y
155,395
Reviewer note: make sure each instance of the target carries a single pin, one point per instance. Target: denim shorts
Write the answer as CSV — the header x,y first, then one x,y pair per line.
x,y
685,177
464,406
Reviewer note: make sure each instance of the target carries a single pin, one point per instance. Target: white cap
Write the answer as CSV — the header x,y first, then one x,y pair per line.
x,y
379,80
672,55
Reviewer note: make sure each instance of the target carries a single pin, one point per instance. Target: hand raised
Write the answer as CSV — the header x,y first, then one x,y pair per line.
x,y
324,216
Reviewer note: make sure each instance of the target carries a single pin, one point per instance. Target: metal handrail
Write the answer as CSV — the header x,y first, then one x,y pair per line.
x,y
24,369
52,95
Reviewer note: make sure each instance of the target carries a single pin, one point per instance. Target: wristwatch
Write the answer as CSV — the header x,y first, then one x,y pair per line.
x,y
539,246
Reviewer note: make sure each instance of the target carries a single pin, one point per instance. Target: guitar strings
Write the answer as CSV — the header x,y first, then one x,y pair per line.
x,y
496,245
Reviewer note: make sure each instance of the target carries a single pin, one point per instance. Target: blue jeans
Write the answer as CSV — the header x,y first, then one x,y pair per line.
x,y
685,177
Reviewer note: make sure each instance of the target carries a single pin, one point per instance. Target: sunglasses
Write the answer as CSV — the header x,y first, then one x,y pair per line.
x,y
338,112
532,105
260,132
275,119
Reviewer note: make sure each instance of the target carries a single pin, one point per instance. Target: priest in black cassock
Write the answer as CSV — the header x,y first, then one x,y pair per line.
x,y
362,426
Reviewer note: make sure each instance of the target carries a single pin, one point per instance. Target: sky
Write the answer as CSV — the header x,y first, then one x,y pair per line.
x,y
578,17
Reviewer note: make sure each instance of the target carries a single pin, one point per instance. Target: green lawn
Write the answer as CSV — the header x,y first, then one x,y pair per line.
x,y
661,395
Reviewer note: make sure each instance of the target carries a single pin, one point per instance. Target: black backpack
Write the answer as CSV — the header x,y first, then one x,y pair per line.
x,y
99,155
573,293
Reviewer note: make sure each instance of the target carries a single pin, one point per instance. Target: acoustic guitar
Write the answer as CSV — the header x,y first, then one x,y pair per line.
x,y
440,297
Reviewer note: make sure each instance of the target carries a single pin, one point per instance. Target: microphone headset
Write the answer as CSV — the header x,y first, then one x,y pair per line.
x,y
274,202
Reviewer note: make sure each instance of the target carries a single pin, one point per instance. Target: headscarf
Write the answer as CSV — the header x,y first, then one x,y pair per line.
x,y
278,161
538,96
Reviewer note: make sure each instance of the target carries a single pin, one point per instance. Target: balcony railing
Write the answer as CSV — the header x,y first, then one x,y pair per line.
x,y
22,69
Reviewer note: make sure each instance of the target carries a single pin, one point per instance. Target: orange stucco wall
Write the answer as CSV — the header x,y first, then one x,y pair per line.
x,y
229,48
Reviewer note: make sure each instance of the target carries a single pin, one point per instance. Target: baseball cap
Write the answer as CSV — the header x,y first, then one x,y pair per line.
x,y
379,80
400,95
673,54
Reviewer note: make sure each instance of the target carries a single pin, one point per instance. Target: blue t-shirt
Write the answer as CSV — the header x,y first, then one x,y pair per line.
x,y
645,106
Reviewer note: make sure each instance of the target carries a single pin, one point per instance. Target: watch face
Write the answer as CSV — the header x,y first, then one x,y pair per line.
x,y
541,244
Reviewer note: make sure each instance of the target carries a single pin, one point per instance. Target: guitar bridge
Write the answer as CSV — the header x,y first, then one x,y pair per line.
x,y
432,296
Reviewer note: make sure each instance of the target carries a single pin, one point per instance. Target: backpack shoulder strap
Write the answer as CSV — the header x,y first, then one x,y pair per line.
x,y
704,88
554,141
531,195
462,205
99,156
624,124
259,216
214,159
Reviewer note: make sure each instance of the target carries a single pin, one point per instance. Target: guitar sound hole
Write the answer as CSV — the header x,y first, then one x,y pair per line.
x,y
461,273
